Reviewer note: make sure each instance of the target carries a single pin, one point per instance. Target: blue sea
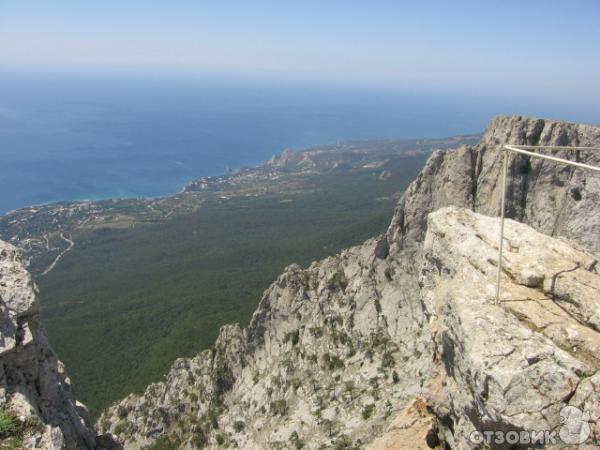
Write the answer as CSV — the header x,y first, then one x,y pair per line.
x,y
68,137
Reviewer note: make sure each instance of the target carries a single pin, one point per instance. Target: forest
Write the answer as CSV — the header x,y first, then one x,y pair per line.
x,y
124,303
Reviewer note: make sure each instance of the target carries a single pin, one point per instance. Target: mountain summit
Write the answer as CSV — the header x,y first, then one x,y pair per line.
x,y
394,344
397,343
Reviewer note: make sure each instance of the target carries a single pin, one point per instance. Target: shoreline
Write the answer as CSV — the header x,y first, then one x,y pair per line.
x,y
233,172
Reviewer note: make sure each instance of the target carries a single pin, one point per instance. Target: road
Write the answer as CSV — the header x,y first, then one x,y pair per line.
x,y
60,255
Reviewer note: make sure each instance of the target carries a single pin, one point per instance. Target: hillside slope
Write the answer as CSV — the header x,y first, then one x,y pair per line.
x,y
405,324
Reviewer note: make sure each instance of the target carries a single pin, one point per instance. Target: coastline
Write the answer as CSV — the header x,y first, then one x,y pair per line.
x,y
224,174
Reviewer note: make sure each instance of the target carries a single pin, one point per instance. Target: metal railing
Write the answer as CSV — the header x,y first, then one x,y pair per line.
x,y
526,150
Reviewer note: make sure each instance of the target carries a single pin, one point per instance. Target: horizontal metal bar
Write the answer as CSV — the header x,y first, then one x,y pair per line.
x,y
552,158
555,147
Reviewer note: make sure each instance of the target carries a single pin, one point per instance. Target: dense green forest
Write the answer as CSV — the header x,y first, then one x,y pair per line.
x,y
124,303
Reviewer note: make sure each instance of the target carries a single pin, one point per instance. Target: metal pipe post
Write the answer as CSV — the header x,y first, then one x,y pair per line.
x,y
502,203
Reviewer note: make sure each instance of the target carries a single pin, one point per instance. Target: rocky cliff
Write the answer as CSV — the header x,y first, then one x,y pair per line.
x,y
514,366
397,343
330,361
555,199
37,406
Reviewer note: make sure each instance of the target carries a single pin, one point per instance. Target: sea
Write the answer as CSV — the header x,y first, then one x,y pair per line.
x,y
82,136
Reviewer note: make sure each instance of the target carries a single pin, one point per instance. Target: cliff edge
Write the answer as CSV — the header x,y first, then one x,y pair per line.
x,y
514,367
397,343
37,405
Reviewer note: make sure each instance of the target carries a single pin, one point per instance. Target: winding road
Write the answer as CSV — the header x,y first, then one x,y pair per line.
x,y
60,255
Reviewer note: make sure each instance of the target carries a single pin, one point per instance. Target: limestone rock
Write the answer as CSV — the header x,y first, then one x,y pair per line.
x,y
33,385
501,370
555,199
337,353
414,428
320,363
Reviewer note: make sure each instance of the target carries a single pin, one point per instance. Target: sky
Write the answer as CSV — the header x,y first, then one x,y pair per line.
x,y
534,46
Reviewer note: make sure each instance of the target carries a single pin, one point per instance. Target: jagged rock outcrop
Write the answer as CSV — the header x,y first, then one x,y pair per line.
x,y
502,367
401,333
320,363
556,199
515,365
36,398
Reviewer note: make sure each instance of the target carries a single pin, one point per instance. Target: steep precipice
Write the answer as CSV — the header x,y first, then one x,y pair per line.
x,y
512,366
401,333
36,400
555,199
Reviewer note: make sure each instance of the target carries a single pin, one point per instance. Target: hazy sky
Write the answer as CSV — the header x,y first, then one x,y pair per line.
x,y
539,46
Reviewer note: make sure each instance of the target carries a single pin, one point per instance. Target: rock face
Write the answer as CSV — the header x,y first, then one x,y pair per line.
x,y
321,363
335,361
35,391
397,343
555,199
515,365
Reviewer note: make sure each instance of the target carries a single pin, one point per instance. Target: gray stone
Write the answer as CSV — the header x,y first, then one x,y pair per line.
x,y
394,338
33,384
336,351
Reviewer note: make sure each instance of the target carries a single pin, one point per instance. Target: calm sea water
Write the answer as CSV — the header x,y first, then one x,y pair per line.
x,y
74,138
